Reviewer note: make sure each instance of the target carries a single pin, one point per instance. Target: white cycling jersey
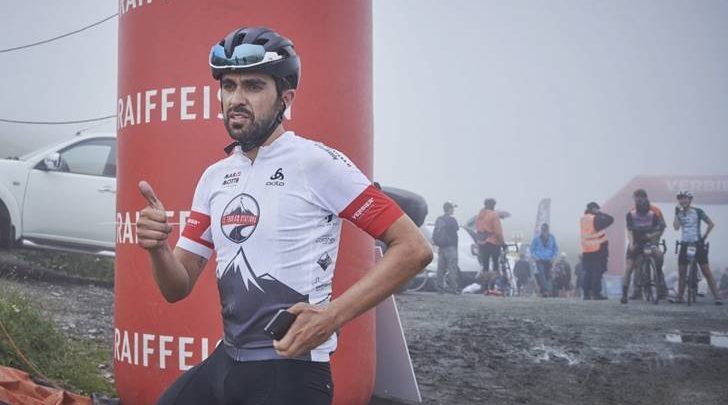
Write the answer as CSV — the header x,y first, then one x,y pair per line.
x,y
275,225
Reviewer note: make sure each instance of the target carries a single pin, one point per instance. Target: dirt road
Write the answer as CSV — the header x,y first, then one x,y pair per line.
x,y
474,349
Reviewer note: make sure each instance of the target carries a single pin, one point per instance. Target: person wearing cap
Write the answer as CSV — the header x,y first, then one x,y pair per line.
x,y
445,237
594,249
271,211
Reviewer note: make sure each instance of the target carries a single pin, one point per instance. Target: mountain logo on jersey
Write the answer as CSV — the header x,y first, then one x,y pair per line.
x,y
240,218
324,261
240,269
249,301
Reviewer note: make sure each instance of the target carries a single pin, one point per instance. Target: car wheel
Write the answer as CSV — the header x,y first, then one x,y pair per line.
x,y
6,228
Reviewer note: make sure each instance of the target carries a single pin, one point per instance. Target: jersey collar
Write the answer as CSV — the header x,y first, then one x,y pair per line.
x,y
234,147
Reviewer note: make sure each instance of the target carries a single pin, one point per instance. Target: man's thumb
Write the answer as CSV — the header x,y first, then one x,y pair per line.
x,y
148,193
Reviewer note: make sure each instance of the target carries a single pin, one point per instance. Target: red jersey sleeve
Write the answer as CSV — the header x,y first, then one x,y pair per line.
x,y
372,211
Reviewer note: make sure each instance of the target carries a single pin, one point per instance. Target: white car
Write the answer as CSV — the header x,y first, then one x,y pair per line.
x,y
61,197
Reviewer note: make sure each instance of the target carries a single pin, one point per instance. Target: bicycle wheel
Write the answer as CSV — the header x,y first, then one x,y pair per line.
x,y
651,281
692,282
419,283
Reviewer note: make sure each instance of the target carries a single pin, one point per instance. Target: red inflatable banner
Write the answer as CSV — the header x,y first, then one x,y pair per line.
x,y
170,129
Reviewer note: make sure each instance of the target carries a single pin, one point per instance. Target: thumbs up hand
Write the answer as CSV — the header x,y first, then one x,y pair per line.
x,y
152,226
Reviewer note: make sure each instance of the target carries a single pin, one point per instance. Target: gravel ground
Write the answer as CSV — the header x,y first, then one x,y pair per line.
x,y
473,349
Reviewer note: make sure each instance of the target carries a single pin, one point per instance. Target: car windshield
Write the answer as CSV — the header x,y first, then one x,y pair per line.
x,y
48,148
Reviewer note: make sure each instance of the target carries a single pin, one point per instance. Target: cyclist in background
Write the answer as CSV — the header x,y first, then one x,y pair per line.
x,y
688,220
645,224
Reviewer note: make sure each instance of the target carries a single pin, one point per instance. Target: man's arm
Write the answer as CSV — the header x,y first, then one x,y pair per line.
x,y
498,228
658,228
661,225
711,225
555,249
175,272
630,235
407,254
602,221
676,221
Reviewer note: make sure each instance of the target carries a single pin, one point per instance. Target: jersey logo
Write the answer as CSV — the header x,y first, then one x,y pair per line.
x,y
324,261
231,179
240,218
278,175
276,178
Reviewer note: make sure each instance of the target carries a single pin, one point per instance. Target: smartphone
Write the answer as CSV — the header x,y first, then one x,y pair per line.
x,y
278,326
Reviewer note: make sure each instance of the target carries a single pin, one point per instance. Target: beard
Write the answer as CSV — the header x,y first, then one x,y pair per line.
x,y
253,133
643,206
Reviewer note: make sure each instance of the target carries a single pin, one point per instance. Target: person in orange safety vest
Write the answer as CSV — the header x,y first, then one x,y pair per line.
x,y
595,249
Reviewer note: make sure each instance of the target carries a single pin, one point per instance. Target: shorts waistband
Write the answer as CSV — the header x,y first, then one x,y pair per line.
x,y
269,353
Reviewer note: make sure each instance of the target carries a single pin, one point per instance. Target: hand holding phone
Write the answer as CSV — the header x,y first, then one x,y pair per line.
x,y
279,325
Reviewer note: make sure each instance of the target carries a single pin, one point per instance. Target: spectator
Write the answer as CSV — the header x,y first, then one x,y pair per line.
x,y
445,237
579,274
595,250
723,286
489,235
544,250
562,276
522,272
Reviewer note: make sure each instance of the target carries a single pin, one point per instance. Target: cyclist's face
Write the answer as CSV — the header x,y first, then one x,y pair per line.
x,y
250,103
640,200
684,202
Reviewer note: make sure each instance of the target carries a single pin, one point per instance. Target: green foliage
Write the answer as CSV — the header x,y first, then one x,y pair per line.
x,y
70,363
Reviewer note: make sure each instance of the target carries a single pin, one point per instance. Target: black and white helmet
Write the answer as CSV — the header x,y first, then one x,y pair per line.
x,y
256,49
685,194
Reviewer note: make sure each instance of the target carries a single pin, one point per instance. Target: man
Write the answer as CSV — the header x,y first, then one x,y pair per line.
x,y
689,219
594,250
723,287
579,274
489,235
522,272
266,227
645,224
544,250
445,237
562,276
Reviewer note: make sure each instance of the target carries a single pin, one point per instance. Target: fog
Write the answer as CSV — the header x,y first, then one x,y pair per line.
x,y
562,99
516,100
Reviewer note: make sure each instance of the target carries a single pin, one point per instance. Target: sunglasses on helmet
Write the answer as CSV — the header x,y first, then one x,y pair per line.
x,y
244,56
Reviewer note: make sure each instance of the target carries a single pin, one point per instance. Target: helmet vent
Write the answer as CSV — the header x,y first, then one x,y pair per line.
x,y
260,41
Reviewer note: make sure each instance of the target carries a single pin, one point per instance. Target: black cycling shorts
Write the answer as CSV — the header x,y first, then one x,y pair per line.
x,y
701,255
221,380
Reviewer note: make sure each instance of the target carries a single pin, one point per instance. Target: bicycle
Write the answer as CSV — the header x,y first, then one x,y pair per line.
x,y
693,277
510,287
649,279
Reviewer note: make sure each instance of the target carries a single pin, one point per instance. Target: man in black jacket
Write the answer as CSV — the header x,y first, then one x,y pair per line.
x,y
522,271
595,249
445,237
